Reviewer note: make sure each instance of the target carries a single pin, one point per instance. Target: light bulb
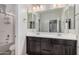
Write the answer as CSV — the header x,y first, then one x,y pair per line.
x,y
34,8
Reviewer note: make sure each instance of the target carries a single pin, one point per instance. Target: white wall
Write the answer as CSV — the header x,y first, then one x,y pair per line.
x,y
21,30
77,25
77,9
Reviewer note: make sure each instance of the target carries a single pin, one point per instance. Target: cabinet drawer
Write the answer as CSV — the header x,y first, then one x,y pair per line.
x,y
70,43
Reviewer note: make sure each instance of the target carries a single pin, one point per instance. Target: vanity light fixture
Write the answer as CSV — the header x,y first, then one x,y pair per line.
x,y
35,8
58,5
40,7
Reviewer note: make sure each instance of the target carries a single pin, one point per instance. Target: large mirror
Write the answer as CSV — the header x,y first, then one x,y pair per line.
x,y
60,20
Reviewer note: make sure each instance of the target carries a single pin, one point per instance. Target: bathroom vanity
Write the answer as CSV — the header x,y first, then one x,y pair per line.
x,y
49,45
52,32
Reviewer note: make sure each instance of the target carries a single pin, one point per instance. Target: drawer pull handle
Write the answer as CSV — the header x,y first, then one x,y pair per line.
x,y
45,50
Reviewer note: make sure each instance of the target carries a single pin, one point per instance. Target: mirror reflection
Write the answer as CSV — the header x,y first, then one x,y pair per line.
x,y
60,19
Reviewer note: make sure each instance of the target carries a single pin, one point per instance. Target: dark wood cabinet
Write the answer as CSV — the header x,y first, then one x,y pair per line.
x,y
33,45
45,46
50,46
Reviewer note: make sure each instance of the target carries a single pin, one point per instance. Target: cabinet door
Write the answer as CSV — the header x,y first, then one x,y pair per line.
x,y
33,45
70,47
58,47
45,46
52,46
64,47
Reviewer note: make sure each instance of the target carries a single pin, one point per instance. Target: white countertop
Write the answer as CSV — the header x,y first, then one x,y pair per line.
x,y
67,36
